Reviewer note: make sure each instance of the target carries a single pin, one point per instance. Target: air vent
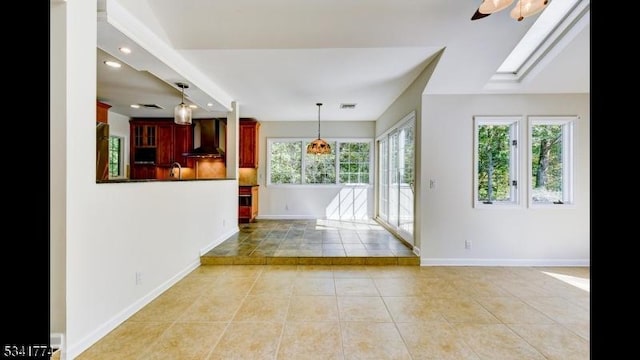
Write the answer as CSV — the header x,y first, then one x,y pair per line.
x,y
151,106
347,106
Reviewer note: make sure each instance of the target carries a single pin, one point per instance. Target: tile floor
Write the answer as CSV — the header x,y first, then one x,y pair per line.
x,y
360,312
305,242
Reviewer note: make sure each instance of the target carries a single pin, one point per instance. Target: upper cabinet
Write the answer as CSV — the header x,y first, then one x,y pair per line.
x,y
102,112
248,143
156,144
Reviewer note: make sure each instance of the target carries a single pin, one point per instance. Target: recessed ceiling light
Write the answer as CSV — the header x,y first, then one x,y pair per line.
x,y
135,106
125,50
193,106
113,64
209,104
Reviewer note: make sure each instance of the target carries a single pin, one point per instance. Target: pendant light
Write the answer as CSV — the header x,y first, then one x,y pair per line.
x,y
182,112
318,146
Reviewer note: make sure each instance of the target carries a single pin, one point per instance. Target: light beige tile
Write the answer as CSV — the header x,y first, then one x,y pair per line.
x,y
166,307
558,309
479,288
409,286
209,270
274,284
248,340
213,308
524,289
581,301
355,287
313,259
314,286
263,308
512,310
412,309
362,308
463,310
350,271
225,286
554,341
582,329
496,342
395,272
435,340
438,288
311,340
188,341
128,341
377,340
247,271
313,308
315,271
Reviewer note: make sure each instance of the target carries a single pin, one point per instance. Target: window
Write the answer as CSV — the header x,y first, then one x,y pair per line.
x,y
396,150
551,154
349,163
116,151
496,161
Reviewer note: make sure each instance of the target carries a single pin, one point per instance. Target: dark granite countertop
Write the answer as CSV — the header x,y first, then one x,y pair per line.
x,y
120,181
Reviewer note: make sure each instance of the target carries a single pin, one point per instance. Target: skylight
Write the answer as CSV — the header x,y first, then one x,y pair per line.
x,y
553,23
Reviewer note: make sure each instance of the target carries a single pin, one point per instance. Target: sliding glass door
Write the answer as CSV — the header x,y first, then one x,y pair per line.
x,y
396,151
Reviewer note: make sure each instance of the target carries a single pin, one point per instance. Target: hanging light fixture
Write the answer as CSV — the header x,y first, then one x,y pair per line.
x,y
182,112
523,9
318,146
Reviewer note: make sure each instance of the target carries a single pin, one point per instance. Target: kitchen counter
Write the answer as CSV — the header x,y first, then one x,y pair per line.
x,y
118,181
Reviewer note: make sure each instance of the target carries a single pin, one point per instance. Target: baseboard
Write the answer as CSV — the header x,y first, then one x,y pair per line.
x,y
219,240
286,217
503,262
76,349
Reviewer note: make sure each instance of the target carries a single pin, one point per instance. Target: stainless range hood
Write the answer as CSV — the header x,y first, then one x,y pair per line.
x,y
209,137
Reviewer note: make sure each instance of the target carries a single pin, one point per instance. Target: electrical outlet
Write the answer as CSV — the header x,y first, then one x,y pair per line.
x,y
286,206
138,278
432,184
467,244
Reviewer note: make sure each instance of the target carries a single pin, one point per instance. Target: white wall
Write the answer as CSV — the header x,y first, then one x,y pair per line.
x,y
119,126
102,234
57,169
409,101
288,202
522,236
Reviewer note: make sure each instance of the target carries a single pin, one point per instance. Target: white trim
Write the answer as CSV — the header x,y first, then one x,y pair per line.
x,y
400,123
503,262
287,217
219,240
416,250
125,314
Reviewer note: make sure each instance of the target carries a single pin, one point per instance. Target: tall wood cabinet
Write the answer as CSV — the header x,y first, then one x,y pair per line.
x,y
156,144
248,143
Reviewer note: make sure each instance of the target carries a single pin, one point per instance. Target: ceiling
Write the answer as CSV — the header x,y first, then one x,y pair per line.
x,y
277,59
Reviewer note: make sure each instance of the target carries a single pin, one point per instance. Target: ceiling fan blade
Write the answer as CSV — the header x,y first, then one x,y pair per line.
x,y
479,15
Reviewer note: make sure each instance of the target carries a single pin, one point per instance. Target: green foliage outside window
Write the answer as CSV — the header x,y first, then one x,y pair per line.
x,y
493,163
115,150
290,164
286,162
546,162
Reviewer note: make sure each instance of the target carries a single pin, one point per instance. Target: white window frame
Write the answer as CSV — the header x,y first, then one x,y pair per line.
x,y
568,139
514,160
336,151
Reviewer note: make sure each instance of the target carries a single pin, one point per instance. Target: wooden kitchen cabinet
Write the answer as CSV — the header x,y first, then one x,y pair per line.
x,y
156,144
248,143
247,203
102,112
